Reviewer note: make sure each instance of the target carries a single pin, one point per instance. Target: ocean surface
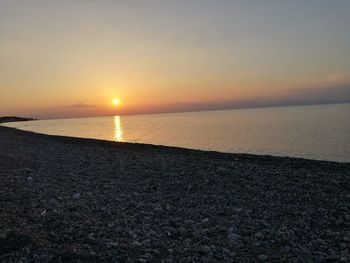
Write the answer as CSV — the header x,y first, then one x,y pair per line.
x,y
319,132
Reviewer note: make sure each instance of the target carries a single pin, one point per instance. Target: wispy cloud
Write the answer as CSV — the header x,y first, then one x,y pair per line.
x,y
335,88
82,105
340,78
327,94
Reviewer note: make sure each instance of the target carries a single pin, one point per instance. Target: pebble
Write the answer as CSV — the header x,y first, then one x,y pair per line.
x,y
76,196
205,221
148,257
259,235
205,249
167,204
136,243
233,237
226,251
263,257
113,244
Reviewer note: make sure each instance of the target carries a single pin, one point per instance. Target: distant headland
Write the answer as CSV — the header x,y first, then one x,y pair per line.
x,y
14,118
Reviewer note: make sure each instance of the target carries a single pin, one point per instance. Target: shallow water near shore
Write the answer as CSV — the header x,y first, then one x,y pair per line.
x,y
320,132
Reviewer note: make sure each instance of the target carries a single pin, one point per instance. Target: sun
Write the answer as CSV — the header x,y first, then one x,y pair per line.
x,y
116,101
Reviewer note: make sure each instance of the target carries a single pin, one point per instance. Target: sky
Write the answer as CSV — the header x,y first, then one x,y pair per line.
x,y
71,58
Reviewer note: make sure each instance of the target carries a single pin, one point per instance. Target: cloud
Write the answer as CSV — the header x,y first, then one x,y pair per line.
x,y
340,78
82,105
305,96
328,94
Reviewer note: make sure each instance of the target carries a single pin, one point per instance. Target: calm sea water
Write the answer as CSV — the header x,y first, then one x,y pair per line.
x,y
313,132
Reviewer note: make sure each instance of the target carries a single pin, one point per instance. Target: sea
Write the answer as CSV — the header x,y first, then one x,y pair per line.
x,y
319,132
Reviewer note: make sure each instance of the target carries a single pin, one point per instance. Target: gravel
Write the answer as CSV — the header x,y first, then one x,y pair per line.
x,y
77,200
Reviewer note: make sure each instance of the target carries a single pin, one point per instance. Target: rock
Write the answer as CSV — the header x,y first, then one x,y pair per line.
x,y
259,235
263,257
321,242
233,237
147,242
205,249
148,257
226,252
158,209
136,243
113,244
205,221
182,230
198,234
76,196
205,260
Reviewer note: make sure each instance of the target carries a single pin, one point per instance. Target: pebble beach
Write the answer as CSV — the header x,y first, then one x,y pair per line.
x,y
66,199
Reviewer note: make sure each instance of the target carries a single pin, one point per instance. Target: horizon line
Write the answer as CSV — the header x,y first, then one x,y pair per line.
x,y
191,111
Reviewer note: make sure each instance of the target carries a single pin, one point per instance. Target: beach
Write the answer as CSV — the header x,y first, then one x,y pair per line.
x,y
65,199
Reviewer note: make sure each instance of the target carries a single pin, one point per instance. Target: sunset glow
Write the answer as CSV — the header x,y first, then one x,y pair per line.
x,y
174,130
118,133
170,56
116,102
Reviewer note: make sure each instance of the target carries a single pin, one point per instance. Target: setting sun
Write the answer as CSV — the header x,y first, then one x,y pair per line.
x,y
116,102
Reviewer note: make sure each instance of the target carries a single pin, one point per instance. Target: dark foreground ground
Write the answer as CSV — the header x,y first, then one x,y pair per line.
x,y
75,200
13,119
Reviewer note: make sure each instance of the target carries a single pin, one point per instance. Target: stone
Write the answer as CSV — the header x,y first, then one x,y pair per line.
x,y
226,252
263,257
113,244
76,196
136,243
182,230
205,249
233,237
205,221
259,235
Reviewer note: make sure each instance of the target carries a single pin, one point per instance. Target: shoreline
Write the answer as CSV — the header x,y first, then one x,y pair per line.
x,y
81,140
69,199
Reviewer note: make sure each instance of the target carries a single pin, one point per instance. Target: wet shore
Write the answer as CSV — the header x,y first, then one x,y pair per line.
x,y
66,199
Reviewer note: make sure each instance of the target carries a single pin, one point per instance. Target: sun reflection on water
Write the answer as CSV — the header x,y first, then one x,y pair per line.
x,y
118,133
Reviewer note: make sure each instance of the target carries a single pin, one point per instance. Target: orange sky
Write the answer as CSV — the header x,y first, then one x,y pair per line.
x,y
65,58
